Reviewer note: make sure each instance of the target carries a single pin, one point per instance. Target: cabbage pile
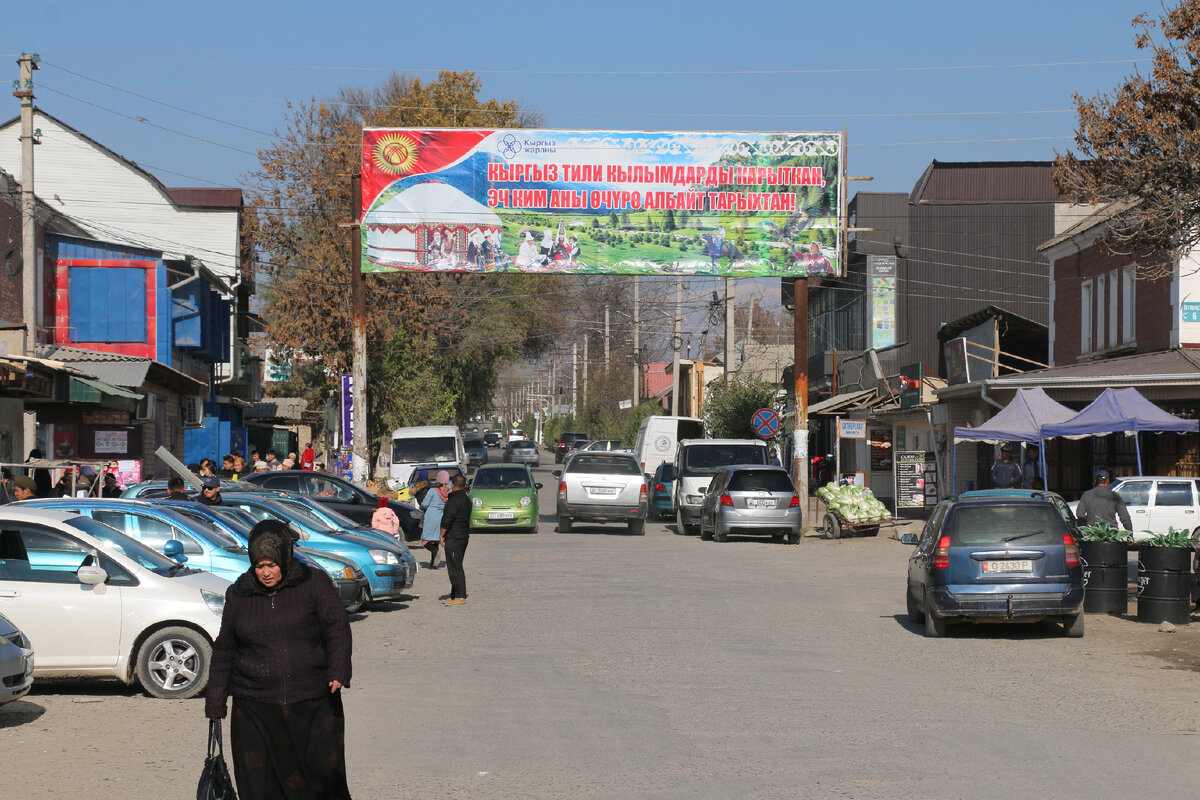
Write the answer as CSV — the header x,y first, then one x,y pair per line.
x,y
853,503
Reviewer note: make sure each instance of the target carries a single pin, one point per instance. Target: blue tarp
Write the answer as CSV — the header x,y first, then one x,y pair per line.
x,y
1025,419
1121,411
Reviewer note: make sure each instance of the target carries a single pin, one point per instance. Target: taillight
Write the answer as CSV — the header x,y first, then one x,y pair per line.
x,y
941,556
1072,550
726,500
562,490
794,502
643,491
658,487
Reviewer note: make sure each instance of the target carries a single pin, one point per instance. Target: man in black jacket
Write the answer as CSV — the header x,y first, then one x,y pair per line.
x,y
1102,504
456,531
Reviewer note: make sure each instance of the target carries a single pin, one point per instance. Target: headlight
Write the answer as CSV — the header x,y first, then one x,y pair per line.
x,y
383,557
693,499
477,502
214,601
525,500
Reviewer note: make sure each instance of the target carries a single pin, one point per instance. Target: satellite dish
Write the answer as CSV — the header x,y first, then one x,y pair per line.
x,y
978,417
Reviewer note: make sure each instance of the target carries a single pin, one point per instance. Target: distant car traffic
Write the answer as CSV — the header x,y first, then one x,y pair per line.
x,y
329,490
492,438
522,451
514,435
566,440
755,500
605,446
504,497
476,451
601,487
16,662
1000,559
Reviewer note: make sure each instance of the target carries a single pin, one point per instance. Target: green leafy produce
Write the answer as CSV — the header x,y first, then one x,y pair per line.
x,y
853,503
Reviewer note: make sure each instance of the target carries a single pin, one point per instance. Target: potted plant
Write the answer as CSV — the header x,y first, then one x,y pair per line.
x,y
1105,554
1165,577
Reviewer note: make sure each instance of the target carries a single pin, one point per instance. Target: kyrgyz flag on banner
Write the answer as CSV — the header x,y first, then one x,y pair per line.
x,y
389,155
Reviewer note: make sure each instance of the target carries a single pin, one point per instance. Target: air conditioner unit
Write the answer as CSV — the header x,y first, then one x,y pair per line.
x,y
146,408
192,410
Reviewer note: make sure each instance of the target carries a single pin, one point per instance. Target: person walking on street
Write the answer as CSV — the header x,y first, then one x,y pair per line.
x,y
456,532
284,655
1006,473
384,519
307,459
431,525
1102,504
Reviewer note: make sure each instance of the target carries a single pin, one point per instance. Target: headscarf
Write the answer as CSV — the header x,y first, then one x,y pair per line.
x,y
271,539
383,503
443,489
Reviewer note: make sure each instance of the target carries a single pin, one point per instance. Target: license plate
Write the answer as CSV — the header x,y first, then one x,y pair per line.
x,y
1008,565
755,502
606,491
501,515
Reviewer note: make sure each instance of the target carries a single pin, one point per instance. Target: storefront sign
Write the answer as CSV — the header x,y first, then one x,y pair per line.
x,y
916,479
112,442
852,428
601,202
882,305
347,411
881,449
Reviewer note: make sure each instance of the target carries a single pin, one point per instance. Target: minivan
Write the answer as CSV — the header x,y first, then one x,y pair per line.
x,y
430,447
658,436
696,462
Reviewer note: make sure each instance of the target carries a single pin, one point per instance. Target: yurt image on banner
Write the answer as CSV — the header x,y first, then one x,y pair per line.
x,y
433,226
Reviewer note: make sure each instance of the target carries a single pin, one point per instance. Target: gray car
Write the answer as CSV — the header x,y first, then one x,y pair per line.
x,y
16,662
601,487
757,500
522,451
476,451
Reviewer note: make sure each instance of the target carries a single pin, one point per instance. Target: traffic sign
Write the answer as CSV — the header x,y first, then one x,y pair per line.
x,y
765,423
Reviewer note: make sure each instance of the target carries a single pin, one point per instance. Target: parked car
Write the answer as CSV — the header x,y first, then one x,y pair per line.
x,y
16,662
1000,559
601,487
522,451
696,462
158,488
566,440
134,614
341,495
389,568
661,497
504,497
491,438
754,500
1157,503
476,451
606,446
205,547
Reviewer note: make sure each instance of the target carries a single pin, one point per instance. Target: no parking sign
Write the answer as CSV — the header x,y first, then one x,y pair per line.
x,y
765,423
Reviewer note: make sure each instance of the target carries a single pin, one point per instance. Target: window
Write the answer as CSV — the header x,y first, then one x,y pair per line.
x,y
1174,494
767,481
323,487
430,448
1134,493
282,483
152,532
107,304
1085,317
501,478
1113,294
1098,342
993,524
41,555
1128,298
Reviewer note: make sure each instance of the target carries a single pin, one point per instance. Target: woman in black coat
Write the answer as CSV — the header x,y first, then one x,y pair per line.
x,y
283,653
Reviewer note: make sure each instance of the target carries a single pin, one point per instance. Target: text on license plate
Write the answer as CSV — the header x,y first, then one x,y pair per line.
x,y
501,515
604,490
1009,565
753,502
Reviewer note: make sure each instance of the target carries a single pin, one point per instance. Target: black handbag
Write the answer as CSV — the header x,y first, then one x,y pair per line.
x,y
215,783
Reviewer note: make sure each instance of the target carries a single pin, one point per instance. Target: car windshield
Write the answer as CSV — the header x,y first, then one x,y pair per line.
x,y
215,533
501,478
411,450
473,444
236,514
995,524
706,459
765,481
603,465
307,515
523,444
130,548
335,518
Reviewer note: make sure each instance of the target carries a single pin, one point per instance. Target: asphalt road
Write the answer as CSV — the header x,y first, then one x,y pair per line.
x,y
601,665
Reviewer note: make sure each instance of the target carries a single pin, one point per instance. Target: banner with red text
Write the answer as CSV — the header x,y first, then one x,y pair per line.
x,y
601,202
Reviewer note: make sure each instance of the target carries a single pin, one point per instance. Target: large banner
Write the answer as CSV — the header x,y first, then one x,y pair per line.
x,y
730,204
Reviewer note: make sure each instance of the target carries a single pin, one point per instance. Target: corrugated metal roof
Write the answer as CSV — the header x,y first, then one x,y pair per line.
x,y
986,182
207,198
58,352
120,369
278,408
1169,366
118,373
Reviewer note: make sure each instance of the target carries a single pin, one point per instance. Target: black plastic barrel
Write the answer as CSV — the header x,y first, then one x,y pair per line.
x,y
1105,577
1164,584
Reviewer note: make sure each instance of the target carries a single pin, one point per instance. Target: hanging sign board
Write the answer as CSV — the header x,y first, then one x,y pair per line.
x,y
916,479
852,429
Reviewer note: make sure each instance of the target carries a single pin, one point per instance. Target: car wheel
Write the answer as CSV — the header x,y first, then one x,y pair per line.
x,y
173,663
719,533
915,614
564,524
680,530
793,537
935,627
1073,626
637,527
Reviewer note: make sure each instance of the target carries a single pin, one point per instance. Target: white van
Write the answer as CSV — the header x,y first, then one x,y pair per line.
x,y
696,462
657,437
430,447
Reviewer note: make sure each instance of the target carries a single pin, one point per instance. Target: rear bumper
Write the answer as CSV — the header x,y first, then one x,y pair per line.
x,y
736,521
601,513
1005,604
689,514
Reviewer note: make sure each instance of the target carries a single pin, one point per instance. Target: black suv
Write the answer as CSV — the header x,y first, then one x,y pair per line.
x,y
565,440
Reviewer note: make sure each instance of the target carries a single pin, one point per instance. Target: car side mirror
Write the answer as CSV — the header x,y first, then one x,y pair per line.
x,y
173,549
91,576
537,486
355,498
908,538
557,473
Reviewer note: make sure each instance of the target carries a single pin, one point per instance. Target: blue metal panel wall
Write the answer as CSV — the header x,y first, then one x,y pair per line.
x,y
223,429
163,310
66,247
108,304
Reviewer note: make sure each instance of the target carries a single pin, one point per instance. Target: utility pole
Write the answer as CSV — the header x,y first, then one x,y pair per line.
x,y
800,387
358,371
29,270
749,327
676,343
586,369
729,319
574,378
637,335
553,385
606,341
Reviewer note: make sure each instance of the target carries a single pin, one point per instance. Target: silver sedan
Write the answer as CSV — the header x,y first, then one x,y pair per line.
x,y
758,500
522,451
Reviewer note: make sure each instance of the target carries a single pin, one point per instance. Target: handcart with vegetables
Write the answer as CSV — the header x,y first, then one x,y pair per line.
x,y
850,511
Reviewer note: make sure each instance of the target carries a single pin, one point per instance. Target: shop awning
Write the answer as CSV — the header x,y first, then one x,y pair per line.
x,y
88,390
839,402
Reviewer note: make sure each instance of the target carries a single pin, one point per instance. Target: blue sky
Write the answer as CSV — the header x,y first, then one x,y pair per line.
x,y
924,71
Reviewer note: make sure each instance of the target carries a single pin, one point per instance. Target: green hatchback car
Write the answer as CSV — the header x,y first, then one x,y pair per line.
x,y
504,497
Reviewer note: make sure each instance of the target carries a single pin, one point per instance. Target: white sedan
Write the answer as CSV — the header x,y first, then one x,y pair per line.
x,y
16,662
96,603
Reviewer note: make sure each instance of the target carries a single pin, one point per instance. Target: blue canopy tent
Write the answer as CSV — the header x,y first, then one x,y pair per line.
x,y
1024,419
1121,411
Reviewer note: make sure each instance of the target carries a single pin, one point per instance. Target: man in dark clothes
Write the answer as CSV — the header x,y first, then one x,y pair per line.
x,y
41,475
1102,504
25,488
210,491
110,489
456,531
1006,473
177,489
